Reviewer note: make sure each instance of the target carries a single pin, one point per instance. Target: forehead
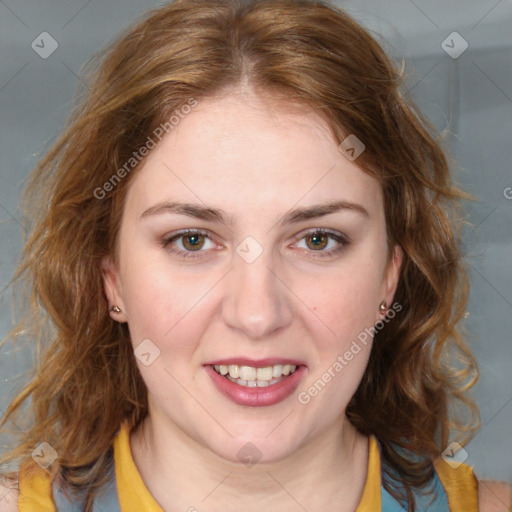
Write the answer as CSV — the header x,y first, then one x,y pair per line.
x,y
240,152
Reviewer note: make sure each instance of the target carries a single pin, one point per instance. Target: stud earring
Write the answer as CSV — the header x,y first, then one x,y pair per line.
x,y
383,306
115,309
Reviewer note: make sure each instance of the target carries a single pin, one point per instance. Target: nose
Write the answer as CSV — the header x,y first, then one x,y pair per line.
x,y
257,301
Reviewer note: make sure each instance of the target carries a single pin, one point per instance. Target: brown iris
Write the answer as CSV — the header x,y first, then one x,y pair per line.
x,y
195,241
318,240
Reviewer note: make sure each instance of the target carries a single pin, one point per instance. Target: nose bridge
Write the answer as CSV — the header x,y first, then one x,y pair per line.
x,y
256,302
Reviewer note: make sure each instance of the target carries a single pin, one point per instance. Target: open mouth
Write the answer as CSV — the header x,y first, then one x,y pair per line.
x,y
251,377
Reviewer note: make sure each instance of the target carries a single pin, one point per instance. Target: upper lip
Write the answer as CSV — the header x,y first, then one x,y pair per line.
x,y
256,363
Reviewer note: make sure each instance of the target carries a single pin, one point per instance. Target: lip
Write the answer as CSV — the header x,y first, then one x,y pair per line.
x,y
257,397
259,363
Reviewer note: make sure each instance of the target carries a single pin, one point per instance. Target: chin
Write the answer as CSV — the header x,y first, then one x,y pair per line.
x,y
249,452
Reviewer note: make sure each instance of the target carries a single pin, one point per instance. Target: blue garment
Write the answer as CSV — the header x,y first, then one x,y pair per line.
x,y
106,501
437,501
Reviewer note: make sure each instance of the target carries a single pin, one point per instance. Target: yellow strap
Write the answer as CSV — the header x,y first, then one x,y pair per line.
x,y
35,489
371,498
460,484
132,491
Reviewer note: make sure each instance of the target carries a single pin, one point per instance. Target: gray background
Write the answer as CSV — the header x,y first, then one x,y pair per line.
x,y
471,96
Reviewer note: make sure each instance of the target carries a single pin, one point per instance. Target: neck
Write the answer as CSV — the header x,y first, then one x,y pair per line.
x,y
182,474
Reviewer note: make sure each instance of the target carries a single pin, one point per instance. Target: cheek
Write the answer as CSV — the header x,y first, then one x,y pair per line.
x,y
156,304
162,305
342,302
340,325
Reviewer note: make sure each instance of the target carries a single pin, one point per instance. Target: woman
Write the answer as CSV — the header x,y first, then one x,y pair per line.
x,y
245,244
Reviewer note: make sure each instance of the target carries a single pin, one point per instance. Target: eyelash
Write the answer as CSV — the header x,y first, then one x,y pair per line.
x,y
342,240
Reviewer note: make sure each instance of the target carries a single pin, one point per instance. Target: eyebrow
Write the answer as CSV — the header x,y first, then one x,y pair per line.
x,y
217,215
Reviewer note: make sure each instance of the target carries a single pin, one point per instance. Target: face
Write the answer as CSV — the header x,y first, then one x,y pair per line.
x,y
264,275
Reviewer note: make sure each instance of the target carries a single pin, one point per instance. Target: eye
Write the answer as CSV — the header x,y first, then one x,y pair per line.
x,y
317,240
189,242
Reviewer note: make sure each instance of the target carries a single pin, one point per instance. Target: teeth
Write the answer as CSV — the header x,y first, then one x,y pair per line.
x,y
252,384
277,370
251,374
234,371
264,373
246,373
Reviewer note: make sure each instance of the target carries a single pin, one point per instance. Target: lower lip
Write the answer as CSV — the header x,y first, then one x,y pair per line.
x,y
257,397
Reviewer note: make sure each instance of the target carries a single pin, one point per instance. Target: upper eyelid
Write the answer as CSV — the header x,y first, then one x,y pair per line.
x,y
326,231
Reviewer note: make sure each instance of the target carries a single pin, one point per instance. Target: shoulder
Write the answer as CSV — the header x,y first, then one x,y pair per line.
x,y
494,496
8,497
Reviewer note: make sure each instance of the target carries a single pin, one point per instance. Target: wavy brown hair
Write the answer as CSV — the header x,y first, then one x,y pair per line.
x,y
302,52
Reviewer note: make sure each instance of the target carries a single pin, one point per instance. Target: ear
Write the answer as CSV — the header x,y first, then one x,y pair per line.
x,y
392,275
112,289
